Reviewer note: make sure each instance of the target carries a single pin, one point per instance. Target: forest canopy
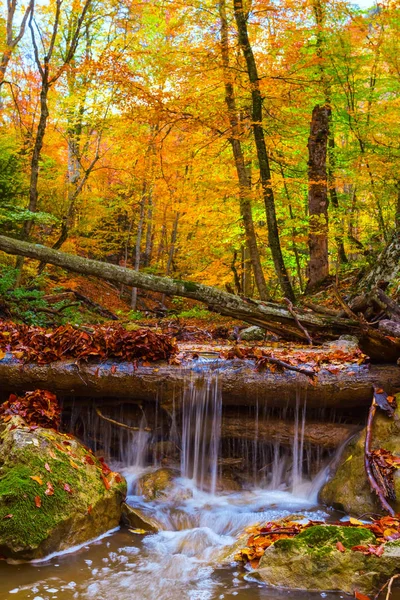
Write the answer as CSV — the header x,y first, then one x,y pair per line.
x,y
251,146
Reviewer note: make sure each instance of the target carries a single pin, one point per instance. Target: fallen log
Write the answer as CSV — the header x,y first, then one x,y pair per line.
x,y
323,434
240,383
274,317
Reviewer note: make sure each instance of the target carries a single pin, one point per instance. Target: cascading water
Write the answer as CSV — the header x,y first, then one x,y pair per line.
x,y
222,484
201,431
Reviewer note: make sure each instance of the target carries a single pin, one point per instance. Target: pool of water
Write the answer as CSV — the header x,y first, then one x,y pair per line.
x,y
181,562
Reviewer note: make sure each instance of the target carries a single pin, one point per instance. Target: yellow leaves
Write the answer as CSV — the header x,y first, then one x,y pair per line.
x,y
356,522
37,479
2,354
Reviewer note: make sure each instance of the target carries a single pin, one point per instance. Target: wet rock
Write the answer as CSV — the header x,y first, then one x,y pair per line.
x,y
311,561
349,489
54,494
162,485
253,334
137,519
346,343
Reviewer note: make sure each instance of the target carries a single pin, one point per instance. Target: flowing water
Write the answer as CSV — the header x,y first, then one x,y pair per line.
x,y
199,518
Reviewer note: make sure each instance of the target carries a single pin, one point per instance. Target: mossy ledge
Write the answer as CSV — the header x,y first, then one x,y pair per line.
x,y
80,503
312,561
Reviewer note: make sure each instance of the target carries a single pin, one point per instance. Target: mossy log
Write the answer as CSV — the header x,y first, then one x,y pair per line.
x,y
271,316
240,383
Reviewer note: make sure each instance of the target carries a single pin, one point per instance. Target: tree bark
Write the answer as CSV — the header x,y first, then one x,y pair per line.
x,y
237,150
269,315
386,268
262,154
318,266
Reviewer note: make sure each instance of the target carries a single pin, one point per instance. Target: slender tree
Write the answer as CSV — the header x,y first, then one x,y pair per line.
x,y
241,18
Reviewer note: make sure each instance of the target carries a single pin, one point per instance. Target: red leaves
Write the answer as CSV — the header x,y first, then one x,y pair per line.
x,y
340,547
105,468
67,488
38,502
7,517
360,596
47,467
35,344
38,408
88,460
370,549
107,484
50,490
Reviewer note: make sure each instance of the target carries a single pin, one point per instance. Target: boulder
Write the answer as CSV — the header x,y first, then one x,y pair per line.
x,y
162,484
253,334
312,561
349,489
54,494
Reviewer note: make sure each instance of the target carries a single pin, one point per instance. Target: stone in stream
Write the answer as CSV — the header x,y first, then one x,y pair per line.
x,y
54,494
136,519
253,334
312,561
161,485
349,489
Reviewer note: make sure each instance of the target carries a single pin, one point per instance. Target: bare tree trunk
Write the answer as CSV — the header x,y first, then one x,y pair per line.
x,y
242,173
139,242
11,40
318,267
264,166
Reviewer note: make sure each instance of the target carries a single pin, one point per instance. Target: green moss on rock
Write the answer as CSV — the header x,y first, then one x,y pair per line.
x,y
34,523
312,561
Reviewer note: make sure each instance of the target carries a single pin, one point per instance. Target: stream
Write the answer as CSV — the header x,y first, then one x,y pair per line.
x,y
199,518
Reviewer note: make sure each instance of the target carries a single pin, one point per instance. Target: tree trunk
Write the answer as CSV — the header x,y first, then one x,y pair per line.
x,y
262,154
139,242
271,316
318,266
237,150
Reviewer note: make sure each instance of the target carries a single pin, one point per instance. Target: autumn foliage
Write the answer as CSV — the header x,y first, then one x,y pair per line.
x,y
38,409
35,344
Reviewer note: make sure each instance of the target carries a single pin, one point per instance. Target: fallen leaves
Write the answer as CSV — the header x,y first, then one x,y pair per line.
x,y
38,408
50,490
263,536
37,479
38,502
35,344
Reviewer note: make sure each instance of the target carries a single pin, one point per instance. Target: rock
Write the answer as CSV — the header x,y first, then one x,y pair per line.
x,y
349,489
346,343
311,561
53,492
253,334
137,519
162,485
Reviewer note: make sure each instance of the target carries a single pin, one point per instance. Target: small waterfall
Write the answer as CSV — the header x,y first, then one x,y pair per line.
x,y
201,431
215,446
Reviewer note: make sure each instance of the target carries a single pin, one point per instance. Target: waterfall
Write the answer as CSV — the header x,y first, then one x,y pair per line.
x,y
192,437
201,431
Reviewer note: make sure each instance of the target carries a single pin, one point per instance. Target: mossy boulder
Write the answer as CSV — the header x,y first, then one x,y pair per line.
x,y
312,561
349,489
54,494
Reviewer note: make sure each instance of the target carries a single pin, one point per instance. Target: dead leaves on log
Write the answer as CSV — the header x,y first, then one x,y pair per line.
x,y
35,344
307,363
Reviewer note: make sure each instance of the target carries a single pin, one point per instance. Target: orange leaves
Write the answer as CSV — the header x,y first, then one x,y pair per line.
x,y
35,344
38,502
38,408
37,479
360,596
340,547
50,490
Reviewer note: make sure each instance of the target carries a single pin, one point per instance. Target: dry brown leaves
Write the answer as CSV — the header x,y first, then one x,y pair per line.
x,y
384,465
35,344
332,361
38,409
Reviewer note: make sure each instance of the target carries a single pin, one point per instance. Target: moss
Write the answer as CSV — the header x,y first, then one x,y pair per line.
x,y
188,286
25,454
